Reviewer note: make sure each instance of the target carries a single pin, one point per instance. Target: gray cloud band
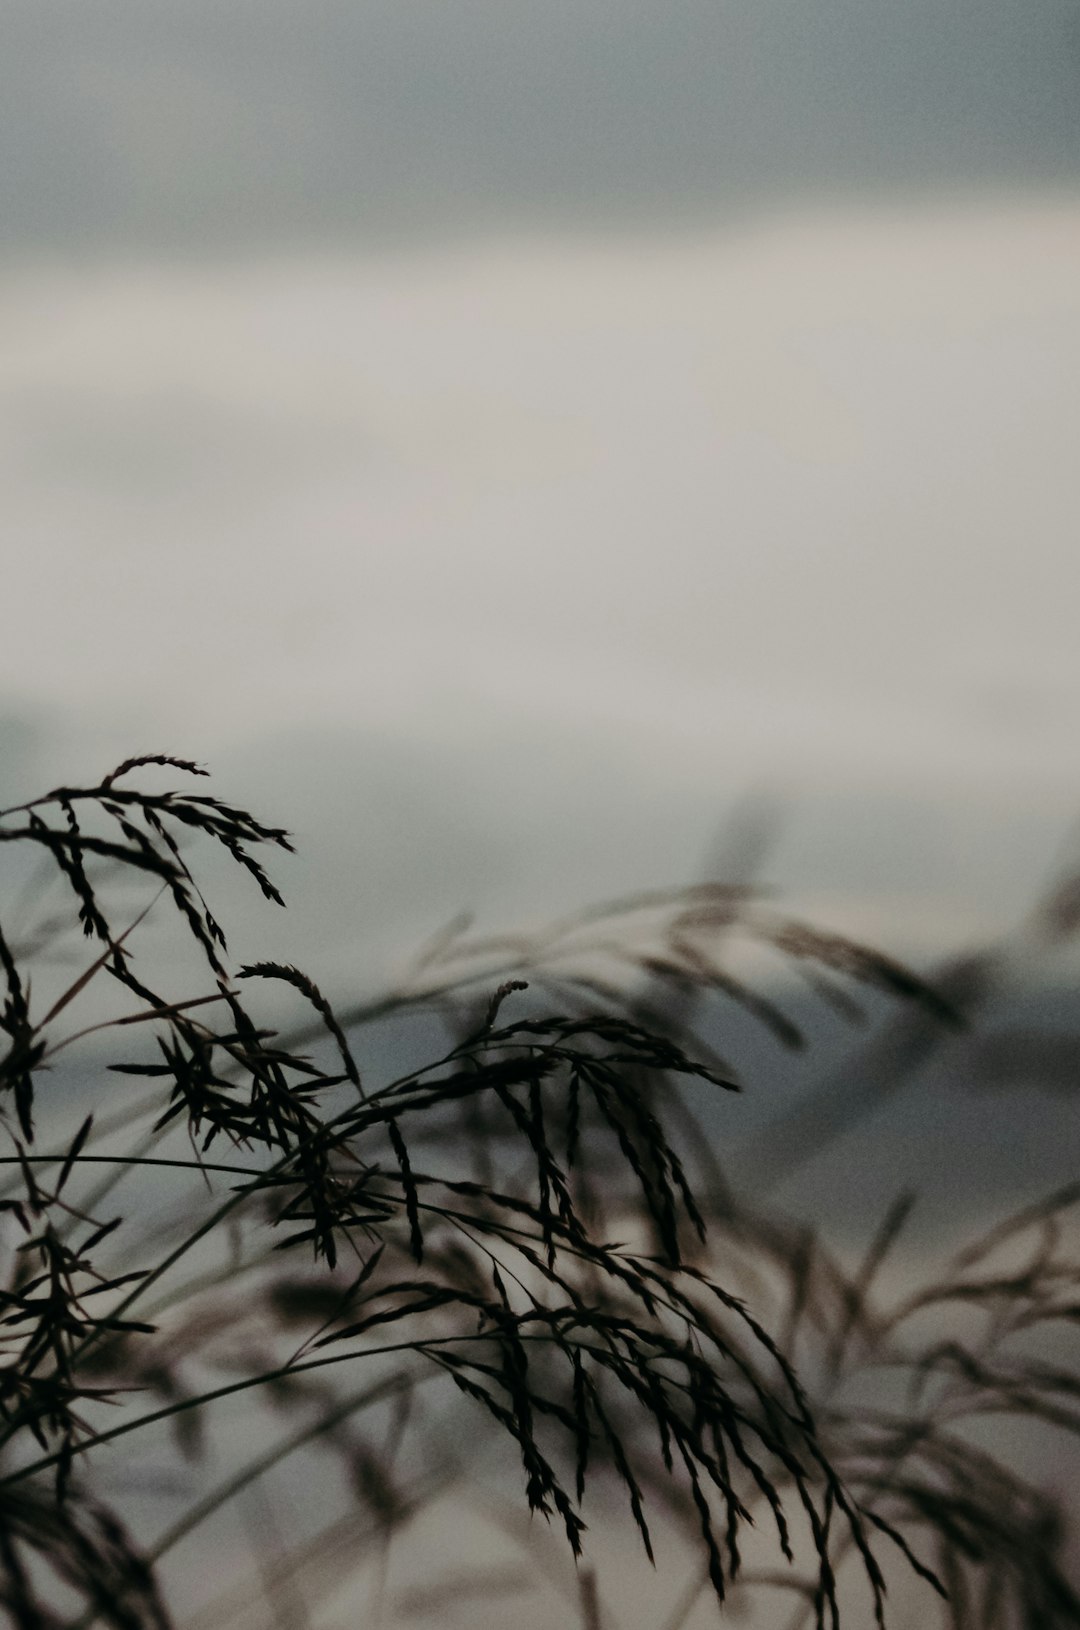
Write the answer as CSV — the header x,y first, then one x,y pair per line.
x,y
212,123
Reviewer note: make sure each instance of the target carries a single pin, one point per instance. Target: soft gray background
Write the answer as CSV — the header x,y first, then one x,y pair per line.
x,y
499,438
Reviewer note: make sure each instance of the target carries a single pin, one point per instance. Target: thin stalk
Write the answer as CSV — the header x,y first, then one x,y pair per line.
x,y
417,1345
128,1160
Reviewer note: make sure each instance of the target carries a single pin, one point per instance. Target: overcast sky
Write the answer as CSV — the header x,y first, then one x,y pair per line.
x,y
154,123
502,437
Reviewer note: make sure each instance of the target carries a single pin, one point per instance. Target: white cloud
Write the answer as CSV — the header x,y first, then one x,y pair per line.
x,y
798,503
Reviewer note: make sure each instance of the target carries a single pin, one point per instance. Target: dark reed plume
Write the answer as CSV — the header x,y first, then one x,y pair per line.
x,y
529,1228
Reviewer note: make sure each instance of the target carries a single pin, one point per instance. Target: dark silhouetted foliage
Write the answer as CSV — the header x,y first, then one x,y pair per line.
x,y
530,1226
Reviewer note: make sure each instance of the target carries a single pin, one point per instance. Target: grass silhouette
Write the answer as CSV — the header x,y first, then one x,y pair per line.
x,y
529,1228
